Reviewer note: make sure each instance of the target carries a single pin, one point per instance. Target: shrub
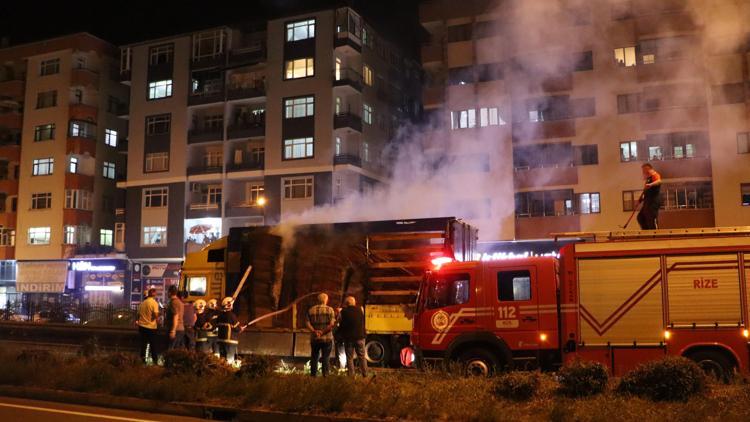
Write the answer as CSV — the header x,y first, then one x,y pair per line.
x,y
122,360
670,379
37,356
90,347
191,362
257,366
582,379
516,385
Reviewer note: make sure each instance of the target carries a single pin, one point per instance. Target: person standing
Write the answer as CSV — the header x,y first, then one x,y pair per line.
x,y
320,320
202,326
148,313
173,320
212,331
352,332
651,198
188,320
229,330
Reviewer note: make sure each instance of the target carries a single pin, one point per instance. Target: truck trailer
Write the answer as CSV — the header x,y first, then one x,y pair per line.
x,y
619,298
381,263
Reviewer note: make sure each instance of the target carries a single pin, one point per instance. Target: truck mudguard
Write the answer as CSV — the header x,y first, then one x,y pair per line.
x,y
481,338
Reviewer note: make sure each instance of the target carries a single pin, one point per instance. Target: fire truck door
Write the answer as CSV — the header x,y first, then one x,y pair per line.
x,y
512,292
449,305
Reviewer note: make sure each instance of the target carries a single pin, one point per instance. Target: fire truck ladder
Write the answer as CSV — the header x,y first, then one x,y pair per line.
x,y
605,236
398,260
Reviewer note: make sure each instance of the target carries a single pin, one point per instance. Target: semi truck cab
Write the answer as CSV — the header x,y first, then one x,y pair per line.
x,y
489,314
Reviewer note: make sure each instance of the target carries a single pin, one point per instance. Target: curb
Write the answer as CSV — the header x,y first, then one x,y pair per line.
x,y
195,410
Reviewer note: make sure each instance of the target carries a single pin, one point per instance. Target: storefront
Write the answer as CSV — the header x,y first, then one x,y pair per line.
x,y
157,275
101,282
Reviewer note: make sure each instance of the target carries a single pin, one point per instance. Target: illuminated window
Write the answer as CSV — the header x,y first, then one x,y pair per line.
x,y
300,30
299,107
300,68
625,56
7,237
366,151
338,145
298,148
196,285
108,170
110,137
253,192
106,237
155,236
73,165
159,89
39,236
628,151
367,113
490,116
588,203
43,166
367,74
464,119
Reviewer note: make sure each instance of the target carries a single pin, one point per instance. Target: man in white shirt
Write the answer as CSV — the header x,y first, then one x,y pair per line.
x,y
148,313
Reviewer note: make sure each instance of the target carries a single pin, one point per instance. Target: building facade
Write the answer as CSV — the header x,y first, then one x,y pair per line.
x,y
247,125
60,157
583,94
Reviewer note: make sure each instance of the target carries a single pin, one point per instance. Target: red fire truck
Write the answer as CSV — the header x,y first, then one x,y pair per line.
x,y
620,298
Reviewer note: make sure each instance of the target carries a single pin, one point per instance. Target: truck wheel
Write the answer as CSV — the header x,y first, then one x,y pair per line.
x,y
377,351
715,364
479,362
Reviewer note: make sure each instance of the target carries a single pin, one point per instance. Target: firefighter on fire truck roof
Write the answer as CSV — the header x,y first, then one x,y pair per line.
x,y
213,314
651,198
203,326
229,329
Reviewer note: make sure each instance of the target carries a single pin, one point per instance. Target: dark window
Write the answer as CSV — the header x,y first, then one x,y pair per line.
x,y
158,125
630,199
544,203
216,255
461,75
160,54
586,155
745,194
584,61
46,99
486,29
44,132
446,290
458,33
558,154
489,72
628,103
513,286
728,93
547,109
687,195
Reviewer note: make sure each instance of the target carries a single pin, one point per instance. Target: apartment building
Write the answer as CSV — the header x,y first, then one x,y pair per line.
x,y
585,92
59,161
249,124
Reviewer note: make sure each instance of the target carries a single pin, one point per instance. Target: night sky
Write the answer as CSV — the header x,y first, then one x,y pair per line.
x,y
122,22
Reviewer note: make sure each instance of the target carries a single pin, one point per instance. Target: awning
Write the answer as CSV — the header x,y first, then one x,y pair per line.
x,y
41,277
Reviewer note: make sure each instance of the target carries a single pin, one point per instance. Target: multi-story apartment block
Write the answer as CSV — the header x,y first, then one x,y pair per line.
x,y
568,99
59,160
246,125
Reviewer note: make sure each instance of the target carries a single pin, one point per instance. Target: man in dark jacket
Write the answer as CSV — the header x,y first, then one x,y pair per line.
x,y
352,331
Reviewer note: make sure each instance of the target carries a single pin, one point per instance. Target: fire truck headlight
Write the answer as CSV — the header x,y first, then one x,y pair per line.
x,y
667,335
543,337
745,333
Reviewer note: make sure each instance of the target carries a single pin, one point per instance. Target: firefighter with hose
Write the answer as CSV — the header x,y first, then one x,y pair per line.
x,y
651,198
229,330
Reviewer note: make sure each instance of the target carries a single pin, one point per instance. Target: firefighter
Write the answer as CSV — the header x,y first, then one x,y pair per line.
x,y
213,313
651,198
202,326
229,329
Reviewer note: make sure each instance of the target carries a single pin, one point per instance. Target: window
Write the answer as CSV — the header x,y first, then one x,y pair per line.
x,y
108,170
40,201
300,68
213,158
655,153
338,145
298,148
46,99
625,56
463,119
49,67
513,286
39,235
461,75
78,199
119,233
155,236
300,30
42,166
44,132
299,107
546,203
628,151
106,237
254,192
366,151
687,195
155,197
457,33
367,75
208,44
70,235
196,285
490,116
78,96
159,89
628,103
743,143
745,194
157,161
629,199
110,137
588,203
298,188
447,290
212,195
367,113
160,54
586,155
258,155
82,129
489,72
73,165
158,125
7,237
583,61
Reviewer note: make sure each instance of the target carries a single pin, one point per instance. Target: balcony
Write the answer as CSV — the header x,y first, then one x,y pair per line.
x,y
243,91
342,159
659,24
666,70
84,77
527,131
79,181
254,129
250,54
347,40
81,146
9,187
206,97
7,252
432,53
8,219
122,146
347,120
249,165
201,210
119,215
73,217
70,251
674,118
11,119
207,134
677,168
545,176
209,61
194,170
244,209
347,78
558,83
541,227
125,76
434,95
13,88
83,112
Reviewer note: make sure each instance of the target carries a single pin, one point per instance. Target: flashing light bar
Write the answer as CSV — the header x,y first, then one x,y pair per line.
x,y
440,261
500,256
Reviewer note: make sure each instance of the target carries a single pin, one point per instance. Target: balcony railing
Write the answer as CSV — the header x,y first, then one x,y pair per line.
x,y
213,95
193,170
256,88
347,77
246,166
343,120
244,209
203,209
249,129
205,134
347,159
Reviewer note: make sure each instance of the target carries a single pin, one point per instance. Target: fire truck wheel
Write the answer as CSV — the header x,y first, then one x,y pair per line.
x,y
715,364
479,362
377,351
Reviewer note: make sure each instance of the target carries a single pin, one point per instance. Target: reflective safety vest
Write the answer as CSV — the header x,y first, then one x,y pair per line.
x,y
226,334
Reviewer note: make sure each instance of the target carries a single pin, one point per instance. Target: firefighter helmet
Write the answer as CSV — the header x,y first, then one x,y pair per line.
x,y
199,305
227,303
212,304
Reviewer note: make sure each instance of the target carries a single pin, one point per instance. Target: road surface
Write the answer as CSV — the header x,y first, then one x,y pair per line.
x,y
12,409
